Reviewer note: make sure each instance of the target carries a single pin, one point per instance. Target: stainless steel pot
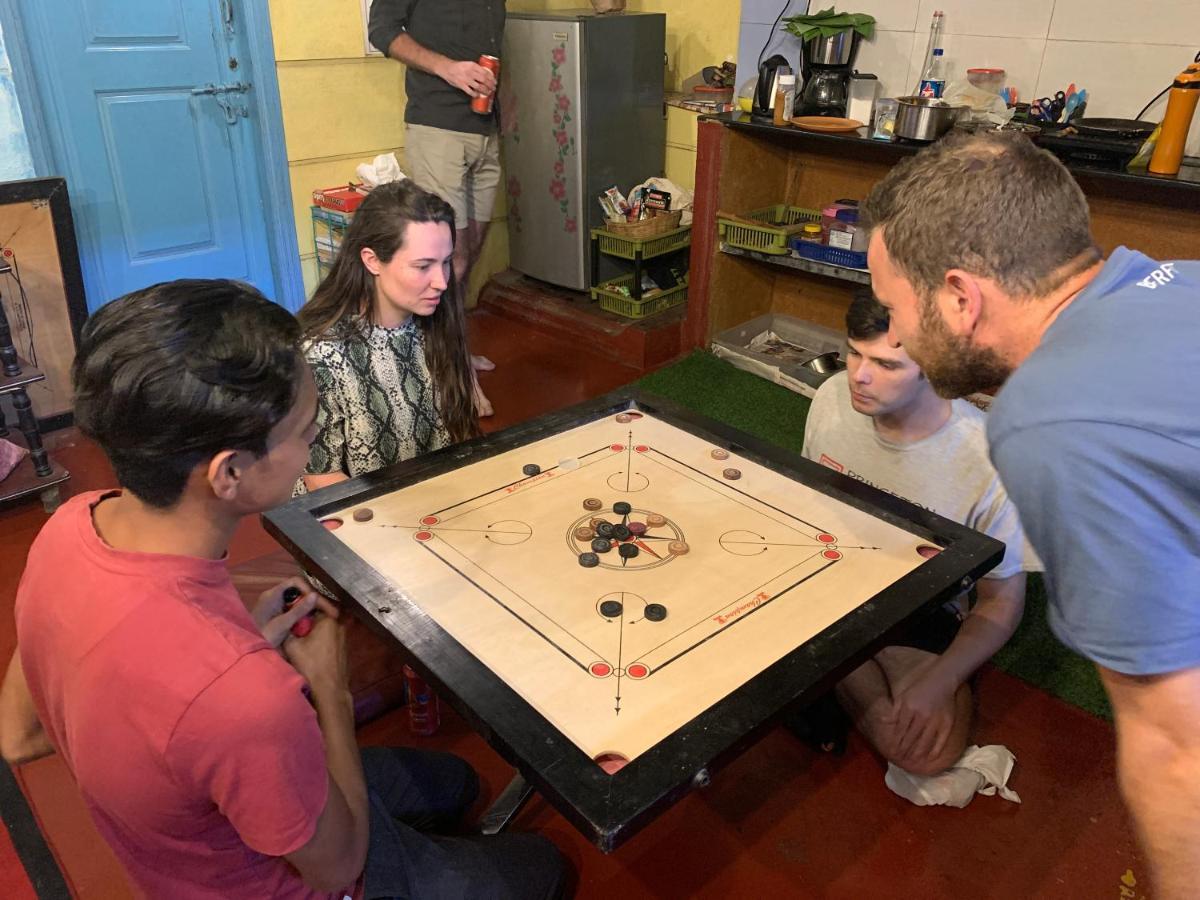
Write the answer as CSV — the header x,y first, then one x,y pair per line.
x,y
925,118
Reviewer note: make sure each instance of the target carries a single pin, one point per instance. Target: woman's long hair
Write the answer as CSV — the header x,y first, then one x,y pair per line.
x,y
342,308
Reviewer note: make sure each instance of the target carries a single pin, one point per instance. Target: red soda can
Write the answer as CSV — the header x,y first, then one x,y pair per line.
x,y
483,105
424,716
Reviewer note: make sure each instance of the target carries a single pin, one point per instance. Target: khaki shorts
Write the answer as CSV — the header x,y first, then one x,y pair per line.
x,y
463,169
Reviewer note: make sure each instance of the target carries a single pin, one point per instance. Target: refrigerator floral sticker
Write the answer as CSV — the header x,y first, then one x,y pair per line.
x,y
510,127
564,142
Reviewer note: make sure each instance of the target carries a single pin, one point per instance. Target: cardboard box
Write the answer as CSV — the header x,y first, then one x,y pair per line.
x,y
343,198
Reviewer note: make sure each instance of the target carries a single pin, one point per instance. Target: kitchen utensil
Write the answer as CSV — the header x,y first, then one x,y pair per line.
x,y
826,123
1052,107
1114,128
825,363
768,83
826,64
1072,105
925,118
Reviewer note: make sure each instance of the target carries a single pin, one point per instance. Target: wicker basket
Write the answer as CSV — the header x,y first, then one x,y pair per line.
x,y
636,231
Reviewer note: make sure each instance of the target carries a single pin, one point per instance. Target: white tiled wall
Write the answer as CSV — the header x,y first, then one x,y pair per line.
x,y
1123,51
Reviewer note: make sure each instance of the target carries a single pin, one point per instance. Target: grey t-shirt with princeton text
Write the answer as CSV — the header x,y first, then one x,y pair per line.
x,y
948,472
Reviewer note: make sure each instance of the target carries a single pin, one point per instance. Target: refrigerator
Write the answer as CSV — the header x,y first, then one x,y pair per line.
x,y
581,110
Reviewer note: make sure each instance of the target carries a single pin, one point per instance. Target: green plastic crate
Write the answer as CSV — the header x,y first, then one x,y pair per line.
x,y
780,223
626,248
615,302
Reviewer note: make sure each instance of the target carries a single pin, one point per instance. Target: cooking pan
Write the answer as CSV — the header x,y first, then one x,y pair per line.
x,y
1114,128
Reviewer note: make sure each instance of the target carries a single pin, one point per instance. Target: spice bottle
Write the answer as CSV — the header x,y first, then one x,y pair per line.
x,y
785,99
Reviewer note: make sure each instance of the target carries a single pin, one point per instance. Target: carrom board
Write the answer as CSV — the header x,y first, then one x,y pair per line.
x,y
632,580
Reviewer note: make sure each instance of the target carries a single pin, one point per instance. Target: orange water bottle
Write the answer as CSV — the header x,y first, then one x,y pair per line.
x,y
1181,106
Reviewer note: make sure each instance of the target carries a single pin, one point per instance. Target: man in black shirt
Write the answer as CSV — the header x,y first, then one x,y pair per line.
x,y
450,149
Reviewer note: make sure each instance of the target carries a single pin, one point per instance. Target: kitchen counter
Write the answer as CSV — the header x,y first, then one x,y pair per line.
x,y
1185,184
743,165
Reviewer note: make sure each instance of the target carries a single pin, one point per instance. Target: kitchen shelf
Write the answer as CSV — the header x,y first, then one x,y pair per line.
x,y
857,276
636,251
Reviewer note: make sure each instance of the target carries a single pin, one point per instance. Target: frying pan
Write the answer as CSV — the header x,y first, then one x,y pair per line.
x,y
1114,128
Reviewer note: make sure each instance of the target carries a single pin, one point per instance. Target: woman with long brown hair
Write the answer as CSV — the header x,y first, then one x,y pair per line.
x,y
387,341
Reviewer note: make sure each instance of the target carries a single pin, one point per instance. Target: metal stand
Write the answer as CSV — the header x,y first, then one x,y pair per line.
x,y
506,806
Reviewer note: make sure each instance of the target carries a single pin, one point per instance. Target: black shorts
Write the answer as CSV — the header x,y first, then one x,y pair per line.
x,y
932,632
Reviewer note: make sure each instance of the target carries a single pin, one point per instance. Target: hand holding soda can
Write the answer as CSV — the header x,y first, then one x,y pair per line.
x,y
483,103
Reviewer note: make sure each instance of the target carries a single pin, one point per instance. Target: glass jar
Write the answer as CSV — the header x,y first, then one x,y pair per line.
x,y
813,233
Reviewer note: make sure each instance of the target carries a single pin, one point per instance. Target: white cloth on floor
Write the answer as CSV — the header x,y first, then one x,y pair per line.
x,y
384,168
980,770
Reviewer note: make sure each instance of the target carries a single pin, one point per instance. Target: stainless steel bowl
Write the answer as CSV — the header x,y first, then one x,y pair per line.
x,y
925,118
825,363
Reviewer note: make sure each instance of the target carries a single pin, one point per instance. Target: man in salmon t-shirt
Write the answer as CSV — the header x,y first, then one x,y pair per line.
x,y
202,762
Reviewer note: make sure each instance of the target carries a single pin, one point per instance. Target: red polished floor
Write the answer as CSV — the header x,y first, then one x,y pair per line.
x,y
779,821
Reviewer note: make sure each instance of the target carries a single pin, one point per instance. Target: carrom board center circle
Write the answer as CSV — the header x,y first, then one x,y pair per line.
x,y
652,542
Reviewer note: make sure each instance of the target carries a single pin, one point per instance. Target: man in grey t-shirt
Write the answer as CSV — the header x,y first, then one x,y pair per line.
x,y
882,423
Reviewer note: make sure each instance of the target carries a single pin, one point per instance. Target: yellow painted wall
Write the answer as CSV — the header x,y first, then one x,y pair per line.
x,y
342,107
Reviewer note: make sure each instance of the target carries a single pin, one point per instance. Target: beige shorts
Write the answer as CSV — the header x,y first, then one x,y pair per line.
x,y
463,169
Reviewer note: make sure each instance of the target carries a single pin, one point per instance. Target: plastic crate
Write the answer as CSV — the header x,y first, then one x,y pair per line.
x,y
328,228
780,223
836,256
614,302
627,248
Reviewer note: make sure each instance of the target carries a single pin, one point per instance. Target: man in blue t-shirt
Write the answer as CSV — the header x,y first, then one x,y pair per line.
x,y
982,250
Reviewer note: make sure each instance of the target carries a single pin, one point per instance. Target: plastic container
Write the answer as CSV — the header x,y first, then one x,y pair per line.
x,y
845,234
835,256
785,99
885,118
861,104
829,215
813,232
613,297
987,79
779,224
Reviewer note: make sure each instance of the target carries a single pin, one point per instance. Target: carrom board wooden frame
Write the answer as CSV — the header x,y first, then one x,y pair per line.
x,y
37,226
608,809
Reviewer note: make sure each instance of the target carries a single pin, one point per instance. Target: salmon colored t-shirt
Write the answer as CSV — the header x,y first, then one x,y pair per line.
x,y
197,754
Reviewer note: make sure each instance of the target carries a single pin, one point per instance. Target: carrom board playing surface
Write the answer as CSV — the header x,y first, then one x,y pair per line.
x,y
625,572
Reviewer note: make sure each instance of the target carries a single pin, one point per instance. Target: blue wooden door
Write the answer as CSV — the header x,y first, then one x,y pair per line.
x,y
149,105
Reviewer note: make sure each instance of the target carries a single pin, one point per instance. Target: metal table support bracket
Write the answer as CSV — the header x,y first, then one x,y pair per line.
x,y
506,806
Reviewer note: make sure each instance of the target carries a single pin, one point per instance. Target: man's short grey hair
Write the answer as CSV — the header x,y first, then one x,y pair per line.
x,y
991,204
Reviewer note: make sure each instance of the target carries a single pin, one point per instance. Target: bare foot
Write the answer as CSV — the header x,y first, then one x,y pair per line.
x,y
481,363
483,406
